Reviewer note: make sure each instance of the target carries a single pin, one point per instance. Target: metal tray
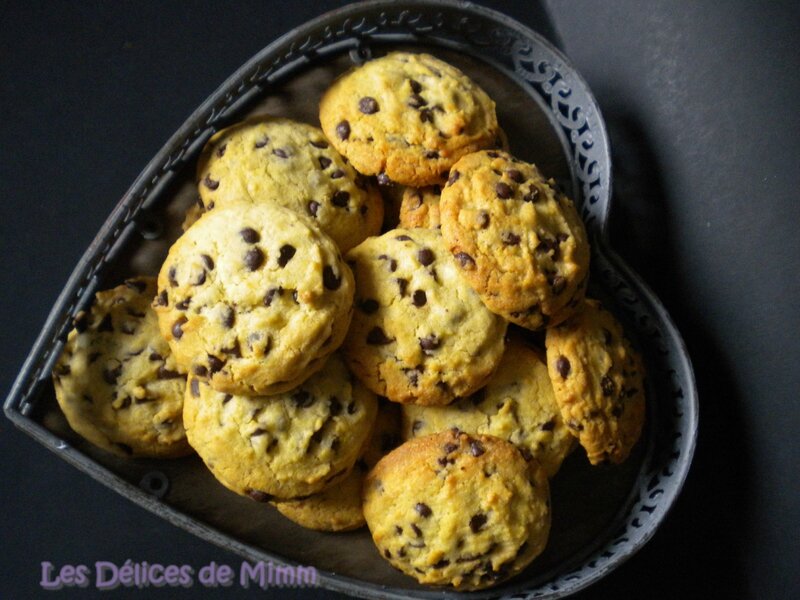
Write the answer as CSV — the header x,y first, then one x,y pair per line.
x,y
601,515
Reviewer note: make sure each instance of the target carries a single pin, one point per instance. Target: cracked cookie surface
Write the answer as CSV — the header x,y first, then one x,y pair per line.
x,y
598,379
519,242
407,117
339,507
286,445
116,380
457,509
289,163
517,405
420,334
253,297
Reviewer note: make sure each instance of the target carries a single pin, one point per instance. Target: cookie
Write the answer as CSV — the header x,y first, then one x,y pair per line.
x,y
286,445
519,242
289,163
598,380
457,509
517,405
419,207
116,379
407,118
338,507
420,334
253,297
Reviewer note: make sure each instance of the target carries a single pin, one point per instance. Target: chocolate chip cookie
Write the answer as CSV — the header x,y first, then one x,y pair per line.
x,y
518,241
289,163
117,381
517,405
407,118
457,509
598,380
420,334
253,297
286,445
338,507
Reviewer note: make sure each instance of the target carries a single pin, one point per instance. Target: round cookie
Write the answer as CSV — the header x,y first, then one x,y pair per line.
x,y
420,334
420,207
407,118
517,405
282,446
456,509
338,507
116,380
520,243
253,297
282,161
598,380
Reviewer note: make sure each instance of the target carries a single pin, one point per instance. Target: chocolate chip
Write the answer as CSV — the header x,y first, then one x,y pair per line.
x,y
183,304
398,530
416,426
329,278
483,219
510,239
285,254
503,190
465,260
211,184
562,366
415,86
426,115
368,105
392,262
280,152
302,399
383,179
294,297
338,173
369,306
262,142
476,448
221,150
207,261
271,295
532,195
214,364
515,175
402,284
386,553
201,279
477,522
454,175
165,373
450,447
105,324
250,235
200,371
233,349
431,154
126,402
607,385
324,162
428,343
258,495
423,509
259,431
171,276
417,531
177,328
111,375
420,298
313,207
549,426
254,258
343,130
377,337
559,284
319,143
340,198
195,387
228,317
492,154
425,256
416,101
154,356
334,406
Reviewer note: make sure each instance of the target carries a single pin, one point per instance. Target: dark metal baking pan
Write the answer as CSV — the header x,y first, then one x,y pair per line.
x,y
601,516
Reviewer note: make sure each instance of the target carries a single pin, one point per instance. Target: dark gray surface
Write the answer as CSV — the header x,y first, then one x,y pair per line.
x,y
701,103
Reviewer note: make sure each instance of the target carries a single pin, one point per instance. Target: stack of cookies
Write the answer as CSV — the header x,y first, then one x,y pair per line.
x,y
294,347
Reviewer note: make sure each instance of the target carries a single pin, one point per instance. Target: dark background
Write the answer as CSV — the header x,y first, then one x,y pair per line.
x,y
701,100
